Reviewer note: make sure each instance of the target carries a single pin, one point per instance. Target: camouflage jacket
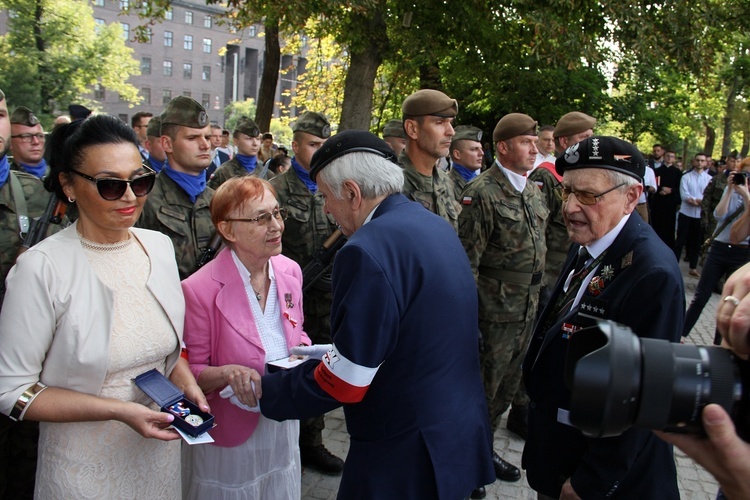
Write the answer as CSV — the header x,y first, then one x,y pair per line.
x,y
502,232
10,237
556,235
711,198
169,210
459,183
435,193
233,168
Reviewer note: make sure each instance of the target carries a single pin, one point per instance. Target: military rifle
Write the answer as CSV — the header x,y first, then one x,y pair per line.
x,y
53,214
211,250
322,260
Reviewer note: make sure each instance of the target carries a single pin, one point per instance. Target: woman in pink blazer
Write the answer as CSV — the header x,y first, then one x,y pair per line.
x,y
243,310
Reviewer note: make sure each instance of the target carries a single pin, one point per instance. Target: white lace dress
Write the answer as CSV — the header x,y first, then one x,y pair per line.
x,y
99,460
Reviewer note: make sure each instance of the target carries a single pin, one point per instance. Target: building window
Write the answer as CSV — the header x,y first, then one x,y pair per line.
x,y
187,93
168,36
251,30
124,4
206,73
187,71
208,22
125,31
188,17
166,96
145,65
167,68
99,24
168,15
188,44
206,100
98,92
99,3
149,35
146,94
207,45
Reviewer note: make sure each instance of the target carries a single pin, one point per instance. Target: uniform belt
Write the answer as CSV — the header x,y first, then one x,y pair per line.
x,y
743,246
511,276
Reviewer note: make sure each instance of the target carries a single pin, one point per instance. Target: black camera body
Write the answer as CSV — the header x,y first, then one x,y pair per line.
x,y
739,178
619,380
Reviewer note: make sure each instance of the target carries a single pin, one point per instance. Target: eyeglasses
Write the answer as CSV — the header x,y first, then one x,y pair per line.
x,y
585,197
113,189
29,137
265,218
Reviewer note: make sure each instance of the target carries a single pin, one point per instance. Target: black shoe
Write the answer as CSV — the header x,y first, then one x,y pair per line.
x,y
479,492
518,421
504,470
320,459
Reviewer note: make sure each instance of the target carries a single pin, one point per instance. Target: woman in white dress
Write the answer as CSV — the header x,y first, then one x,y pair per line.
x,y
243,310
86,311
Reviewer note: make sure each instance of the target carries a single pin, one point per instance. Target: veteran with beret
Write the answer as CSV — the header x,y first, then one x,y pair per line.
x,y
247,140
502,230
27,143
467,157
418,422
394,136
307,227
428,124
178,205
618,269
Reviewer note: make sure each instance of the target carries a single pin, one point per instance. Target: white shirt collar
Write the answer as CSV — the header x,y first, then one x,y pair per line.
x,y
245,274
518,181
598,247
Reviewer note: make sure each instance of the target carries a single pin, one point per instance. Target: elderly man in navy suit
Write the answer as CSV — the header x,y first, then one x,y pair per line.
x,y
404,362
622,272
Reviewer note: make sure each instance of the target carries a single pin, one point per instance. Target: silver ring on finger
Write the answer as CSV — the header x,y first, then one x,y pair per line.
x,y
731,298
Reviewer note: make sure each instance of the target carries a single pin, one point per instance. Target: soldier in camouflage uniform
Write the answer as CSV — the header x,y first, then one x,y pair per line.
x,y
467,157
27,143
18,440
245,162
428,123
307,227
178,205
394,136
712,194
502,229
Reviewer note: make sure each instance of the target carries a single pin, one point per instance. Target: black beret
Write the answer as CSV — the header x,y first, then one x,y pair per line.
x,y
603,152
429,102
512,125
349,141
573,123
78,112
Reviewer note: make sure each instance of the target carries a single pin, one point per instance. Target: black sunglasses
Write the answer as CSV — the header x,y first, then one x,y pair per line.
x,y
113,189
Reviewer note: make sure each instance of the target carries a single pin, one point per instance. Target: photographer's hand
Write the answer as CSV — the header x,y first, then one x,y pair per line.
x,y
567,492
722,453
733,315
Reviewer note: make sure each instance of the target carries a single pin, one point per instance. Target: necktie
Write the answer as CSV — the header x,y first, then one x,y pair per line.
x,y
580,270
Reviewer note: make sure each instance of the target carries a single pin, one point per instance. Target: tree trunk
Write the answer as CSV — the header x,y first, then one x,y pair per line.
x,y
745,143
708,146
364,61
270,77
45,106
726,141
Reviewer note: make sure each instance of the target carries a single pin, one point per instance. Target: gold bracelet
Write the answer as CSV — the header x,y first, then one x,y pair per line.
x,y
26,398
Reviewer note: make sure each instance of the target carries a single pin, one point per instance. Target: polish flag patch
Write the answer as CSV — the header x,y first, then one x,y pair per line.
x,y
466,200
343,379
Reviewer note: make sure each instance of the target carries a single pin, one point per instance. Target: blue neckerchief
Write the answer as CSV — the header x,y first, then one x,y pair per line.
x,y
4,170
304,175
193,185
37,171
156,164
465,172
248,162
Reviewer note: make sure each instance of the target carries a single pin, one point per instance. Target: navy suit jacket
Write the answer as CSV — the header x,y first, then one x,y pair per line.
x,y
405,304
643,289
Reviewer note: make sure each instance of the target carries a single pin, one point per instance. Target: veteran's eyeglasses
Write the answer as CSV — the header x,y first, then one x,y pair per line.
x,y
113,189
264,219
586,197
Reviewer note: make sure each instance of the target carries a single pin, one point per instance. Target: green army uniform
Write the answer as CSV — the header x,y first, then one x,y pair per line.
x,y
459,183
711,198
556,235
232,168
435,193
169,210
502,231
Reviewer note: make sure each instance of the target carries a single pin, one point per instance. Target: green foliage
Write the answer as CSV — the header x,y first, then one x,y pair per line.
x,y
235,110
54,53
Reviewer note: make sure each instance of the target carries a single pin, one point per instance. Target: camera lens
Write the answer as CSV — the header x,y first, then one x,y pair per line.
x,y
739,178
619,380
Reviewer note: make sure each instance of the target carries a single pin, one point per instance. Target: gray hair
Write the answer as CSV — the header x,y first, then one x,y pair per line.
x,y
621,178
374,175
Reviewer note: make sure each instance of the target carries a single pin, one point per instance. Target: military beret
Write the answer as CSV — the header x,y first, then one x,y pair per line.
x,y
573,123
429,102
513,125
154,127
468,133
313,123
23,116
349,141
606,152
184,111
394,128
78,112
2,95
247,127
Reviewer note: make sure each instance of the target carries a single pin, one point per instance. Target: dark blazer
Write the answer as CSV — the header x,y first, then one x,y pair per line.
x,y
405,312
223,158
643,289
